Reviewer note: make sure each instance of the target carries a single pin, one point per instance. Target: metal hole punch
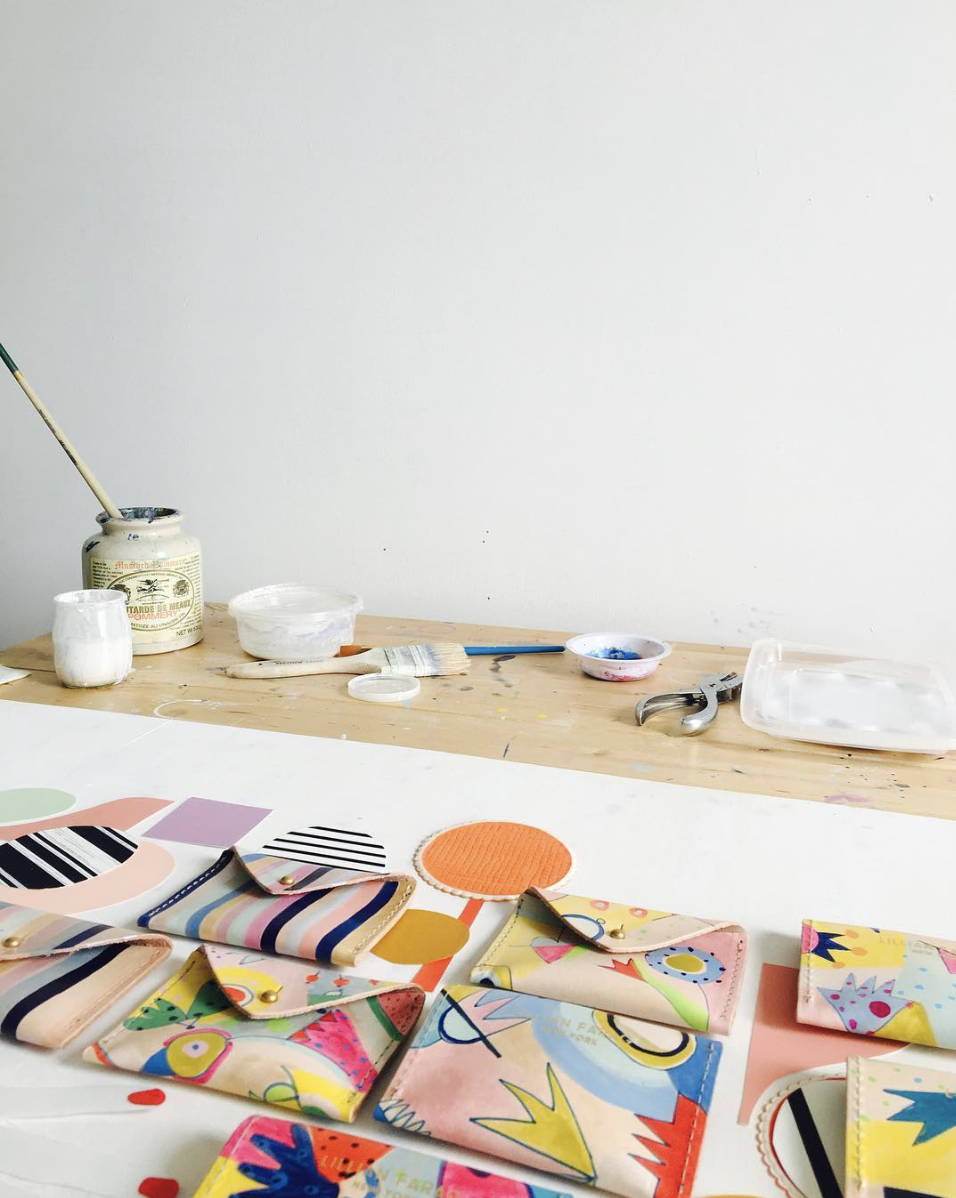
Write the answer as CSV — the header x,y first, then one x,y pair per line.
x,y
713,690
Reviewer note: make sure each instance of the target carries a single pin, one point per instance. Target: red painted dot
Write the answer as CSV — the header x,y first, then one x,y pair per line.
x,y
834,997
158,1187
880,1009
146,1097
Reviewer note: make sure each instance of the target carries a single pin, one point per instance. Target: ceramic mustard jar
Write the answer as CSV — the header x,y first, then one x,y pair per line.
x,y
148,557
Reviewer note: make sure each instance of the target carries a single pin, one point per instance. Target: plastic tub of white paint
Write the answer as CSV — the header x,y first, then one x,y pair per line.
x,y
617,656
292,621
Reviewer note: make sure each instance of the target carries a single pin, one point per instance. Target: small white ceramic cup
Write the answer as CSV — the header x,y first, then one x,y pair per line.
x,y
92,638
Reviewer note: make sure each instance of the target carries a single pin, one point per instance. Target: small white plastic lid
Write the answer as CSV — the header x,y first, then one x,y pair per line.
x,y
384,687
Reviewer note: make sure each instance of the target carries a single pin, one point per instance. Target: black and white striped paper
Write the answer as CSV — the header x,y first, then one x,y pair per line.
x,y
335,847
62,856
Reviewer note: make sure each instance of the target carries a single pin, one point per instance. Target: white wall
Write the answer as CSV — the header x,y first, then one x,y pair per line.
x,y
569,313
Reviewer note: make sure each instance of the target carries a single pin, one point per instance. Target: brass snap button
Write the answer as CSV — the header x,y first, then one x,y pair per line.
x,y
617,933
11,942
287,880
269,996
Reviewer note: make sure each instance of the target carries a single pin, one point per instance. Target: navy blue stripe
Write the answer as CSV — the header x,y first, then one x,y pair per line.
x,y
278,922
323,950
81,936
820,1165
217,868
19,1011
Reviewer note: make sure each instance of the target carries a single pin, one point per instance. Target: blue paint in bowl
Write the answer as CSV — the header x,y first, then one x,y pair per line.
x,y
614,654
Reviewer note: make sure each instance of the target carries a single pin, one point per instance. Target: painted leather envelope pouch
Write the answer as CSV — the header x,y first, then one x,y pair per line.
x,y
600,1099
900,1131
267,1028
57,973
878,983
254,900
298,1159
650,964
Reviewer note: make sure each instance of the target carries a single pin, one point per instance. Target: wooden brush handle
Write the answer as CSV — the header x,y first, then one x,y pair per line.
x,y
298,669
85,472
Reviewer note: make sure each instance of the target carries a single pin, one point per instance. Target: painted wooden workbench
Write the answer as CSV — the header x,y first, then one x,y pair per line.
x,y
536,708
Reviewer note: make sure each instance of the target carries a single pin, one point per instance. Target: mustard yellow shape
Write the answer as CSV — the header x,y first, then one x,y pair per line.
x,y
910,1025
890,1158
552,1130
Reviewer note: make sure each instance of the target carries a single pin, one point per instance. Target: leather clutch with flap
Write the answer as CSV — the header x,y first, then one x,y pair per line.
x,y
268,1028
675,969
255,900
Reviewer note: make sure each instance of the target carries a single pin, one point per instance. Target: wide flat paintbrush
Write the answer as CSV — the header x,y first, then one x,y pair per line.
x,y
415,661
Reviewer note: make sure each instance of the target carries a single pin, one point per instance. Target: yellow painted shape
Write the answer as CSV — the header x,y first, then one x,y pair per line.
x,y
552,1130
686,963
864,948
890,1158
422,936
185,988
312,1092
223,1180
910,1025
192,1053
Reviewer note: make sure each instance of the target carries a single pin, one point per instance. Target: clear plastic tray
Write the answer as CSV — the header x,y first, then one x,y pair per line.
x,y
806,693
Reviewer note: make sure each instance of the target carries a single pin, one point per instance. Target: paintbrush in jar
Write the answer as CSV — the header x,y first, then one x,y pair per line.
x,y
414,661
86,473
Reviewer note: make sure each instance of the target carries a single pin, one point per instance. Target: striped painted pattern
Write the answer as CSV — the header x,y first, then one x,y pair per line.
x,y
330,846
61,856
63,972
329,921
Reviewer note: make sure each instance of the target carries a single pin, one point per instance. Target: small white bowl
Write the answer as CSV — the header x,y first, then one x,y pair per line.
x,y
591,647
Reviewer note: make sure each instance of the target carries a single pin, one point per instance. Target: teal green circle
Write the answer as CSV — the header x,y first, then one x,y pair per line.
x,y
33,802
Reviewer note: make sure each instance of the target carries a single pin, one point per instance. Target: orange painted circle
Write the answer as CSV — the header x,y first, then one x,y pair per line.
x,y
493,859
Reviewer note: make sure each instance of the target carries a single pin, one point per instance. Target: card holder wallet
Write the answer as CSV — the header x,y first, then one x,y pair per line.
x,y
278,905
57,973
599,1098
267,1028
900,1130
674,969
874,982
298,1159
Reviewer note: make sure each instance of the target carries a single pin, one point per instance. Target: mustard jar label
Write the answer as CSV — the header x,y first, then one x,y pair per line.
x,y
163,598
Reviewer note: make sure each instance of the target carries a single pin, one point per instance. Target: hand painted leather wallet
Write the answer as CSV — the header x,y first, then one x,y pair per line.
x,y
254,900
298,1159
267,1028
57,974
878,983
649,964
600,1099
900,1131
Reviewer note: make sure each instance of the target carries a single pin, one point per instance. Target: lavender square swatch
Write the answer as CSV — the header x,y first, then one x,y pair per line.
x,y
208,822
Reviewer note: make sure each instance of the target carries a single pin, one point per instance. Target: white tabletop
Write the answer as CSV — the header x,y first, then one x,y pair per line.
x,y
764,862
